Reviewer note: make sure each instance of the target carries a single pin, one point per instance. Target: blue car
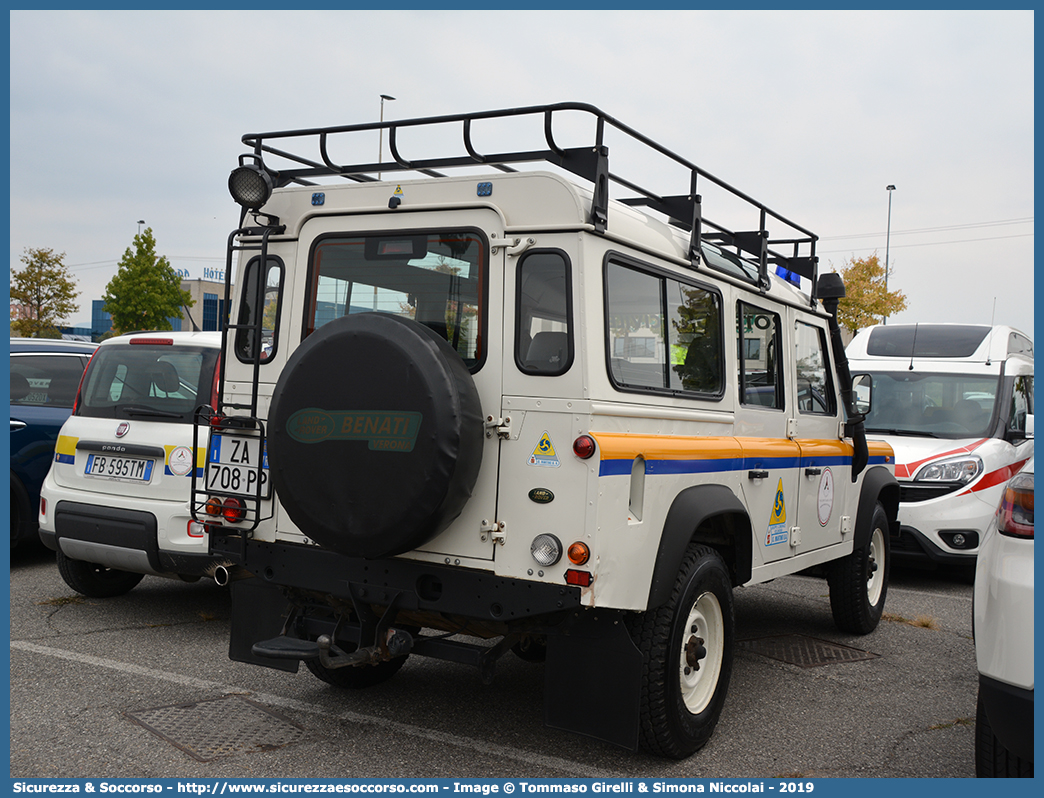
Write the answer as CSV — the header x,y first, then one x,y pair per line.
x,y
45,375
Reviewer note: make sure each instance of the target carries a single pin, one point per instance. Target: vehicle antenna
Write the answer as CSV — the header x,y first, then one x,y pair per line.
x,y
989,342
913,346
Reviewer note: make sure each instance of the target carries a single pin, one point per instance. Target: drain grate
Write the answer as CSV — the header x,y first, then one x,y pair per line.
x,y
207,730
805,652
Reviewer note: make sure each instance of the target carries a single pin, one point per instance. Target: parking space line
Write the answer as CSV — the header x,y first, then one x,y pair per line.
x,y
565,765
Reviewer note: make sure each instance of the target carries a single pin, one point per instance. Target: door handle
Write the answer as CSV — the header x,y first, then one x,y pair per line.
x,y
757,474
17,425
813,472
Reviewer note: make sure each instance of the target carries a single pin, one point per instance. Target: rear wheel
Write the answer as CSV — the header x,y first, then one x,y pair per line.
x,y
96,581
992,759
859,582
356,677
687,646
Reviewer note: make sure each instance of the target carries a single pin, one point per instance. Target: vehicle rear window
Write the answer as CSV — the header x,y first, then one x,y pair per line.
x,y
434,278
155,383
45,380
951,340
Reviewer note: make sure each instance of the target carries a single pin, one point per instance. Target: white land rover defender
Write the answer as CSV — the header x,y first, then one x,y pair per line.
x,y
498,404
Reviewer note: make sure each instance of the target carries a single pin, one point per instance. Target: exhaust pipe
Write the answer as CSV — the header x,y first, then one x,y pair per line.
x,y
225,574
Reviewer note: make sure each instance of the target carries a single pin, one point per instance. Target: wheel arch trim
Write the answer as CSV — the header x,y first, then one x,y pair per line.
x,y
878,485
690,511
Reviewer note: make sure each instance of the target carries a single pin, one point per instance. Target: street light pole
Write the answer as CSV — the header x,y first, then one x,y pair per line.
x,y
888,241
140,223
380,139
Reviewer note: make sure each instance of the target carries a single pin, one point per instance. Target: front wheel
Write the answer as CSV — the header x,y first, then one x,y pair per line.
x,y
687,648
94,580
859,582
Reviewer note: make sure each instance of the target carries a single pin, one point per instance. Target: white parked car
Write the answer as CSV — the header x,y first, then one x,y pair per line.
x,y
115,504
1004,636
955,403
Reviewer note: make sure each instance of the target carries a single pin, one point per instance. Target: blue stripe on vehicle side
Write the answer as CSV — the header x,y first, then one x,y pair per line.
x,y
620,467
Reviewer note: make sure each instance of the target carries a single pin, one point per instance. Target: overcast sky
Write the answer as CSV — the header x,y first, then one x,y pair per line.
x,y
118,116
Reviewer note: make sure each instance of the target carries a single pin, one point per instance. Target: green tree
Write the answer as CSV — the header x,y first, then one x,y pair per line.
x,y
45,293
146,292
867,301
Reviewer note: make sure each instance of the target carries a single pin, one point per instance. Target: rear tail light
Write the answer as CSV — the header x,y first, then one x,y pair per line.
x,y
213,506
215,394
153,341
232,510
43,508
196,529
79,387
1015,515
584,447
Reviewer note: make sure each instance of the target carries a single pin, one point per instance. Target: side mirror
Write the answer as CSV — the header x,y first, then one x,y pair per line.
x,y
862,391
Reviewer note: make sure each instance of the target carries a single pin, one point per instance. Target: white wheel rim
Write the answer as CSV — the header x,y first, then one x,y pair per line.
x,y
700,663
875,567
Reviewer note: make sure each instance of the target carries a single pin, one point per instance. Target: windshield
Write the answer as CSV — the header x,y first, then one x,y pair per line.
x,y
434,278
149,382
935,405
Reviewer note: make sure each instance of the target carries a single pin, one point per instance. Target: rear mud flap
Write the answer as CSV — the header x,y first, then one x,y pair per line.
x,y
593,676
258,613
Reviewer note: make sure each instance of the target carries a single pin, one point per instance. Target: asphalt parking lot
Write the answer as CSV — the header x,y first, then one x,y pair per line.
x,y
140,686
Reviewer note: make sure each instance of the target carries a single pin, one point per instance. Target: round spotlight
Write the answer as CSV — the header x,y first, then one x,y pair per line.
x,y
546,549
250,186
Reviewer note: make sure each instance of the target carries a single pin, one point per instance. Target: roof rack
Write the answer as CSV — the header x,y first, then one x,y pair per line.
x,y
589,162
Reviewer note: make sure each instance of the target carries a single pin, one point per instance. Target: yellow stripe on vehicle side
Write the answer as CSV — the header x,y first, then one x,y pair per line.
x,y
66,444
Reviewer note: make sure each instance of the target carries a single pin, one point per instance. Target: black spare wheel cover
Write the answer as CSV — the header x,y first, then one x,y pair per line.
x,y
375,435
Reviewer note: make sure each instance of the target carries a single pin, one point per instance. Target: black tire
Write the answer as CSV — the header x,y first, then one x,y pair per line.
x,y
992,759
531,649
859,582
346,480
358,677
22,521
687,648
96,581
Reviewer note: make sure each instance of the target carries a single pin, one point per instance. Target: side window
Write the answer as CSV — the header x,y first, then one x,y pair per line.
x,y
268,310
694,335
815,389
1021,403
761,375
49,380
543,314
662,334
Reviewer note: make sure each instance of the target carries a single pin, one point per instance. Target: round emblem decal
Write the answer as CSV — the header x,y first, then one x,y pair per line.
x,y
826,496
122,429
180,461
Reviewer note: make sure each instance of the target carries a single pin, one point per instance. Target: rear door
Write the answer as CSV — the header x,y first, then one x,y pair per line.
x,y
455,286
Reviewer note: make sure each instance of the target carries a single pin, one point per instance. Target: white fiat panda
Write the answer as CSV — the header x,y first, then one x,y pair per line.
x,y
115,504
955,403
